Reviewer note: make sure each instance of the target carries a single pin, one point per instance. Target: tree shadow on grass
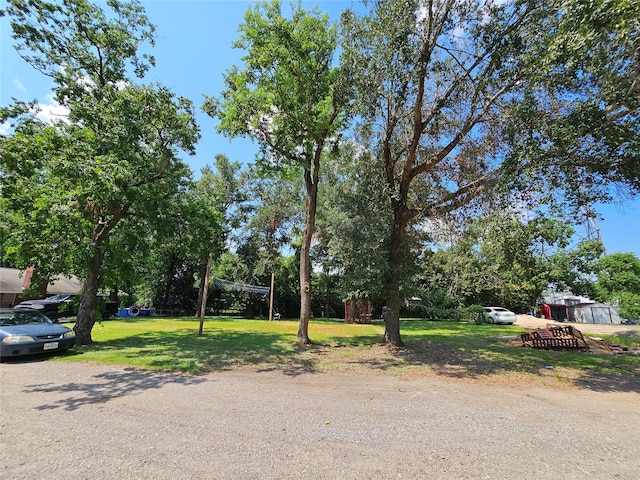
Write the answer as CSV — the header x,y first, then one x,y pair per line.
x,y
216,350
582,369
600,382
461,350
445,349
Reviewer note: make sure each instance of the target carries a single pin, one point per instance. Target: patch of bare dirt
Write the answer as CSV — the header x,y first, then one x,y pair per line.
x,y
429,359
423,360
528,321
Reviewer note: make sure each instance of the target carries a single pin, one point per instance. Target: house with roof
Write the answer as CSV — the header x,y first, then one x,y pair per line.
x,y
14,280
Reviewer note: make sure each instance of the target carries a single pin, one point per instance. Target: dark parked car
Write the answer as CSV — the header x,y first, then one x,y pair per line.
x,y
63,305
59,305
28,332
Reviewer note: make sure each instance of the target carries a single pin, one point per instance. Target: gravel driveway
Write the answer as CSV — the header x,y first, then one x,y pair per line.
x,y
78,421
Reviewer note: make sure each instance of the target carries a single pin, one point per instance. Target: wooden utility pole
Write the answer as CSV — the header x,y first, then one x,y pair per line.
x,y
205,293
271,298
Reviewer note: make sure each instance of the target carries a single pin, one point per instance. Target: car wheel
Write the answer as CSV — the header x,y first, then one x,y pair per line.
x,y
106,315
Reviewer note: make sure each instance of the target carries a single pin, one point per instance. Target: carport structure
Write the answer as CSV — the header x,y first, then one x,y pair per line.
x,y
592,312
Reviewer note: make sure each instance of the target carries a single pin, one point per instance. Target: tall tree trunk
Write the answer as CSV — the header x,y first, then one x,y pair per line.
x,y
89,302
396,257
305,255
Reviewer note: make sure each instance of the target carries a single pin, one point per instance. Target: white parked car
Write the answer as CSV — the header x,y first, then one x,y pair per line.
x,y
500,315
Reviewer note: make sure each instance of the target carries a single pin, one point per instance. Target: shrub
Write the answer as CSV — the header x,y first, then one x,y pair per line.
x,y
435,312
474,314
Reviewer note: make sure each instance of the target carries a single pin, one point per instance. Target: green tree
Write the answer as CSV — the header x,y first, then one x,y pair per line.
x,y
221,187
272,212
184,234
576,128
286,96
351,246
504,260
618,281
517,252
445,95
602,60
116,154
573,269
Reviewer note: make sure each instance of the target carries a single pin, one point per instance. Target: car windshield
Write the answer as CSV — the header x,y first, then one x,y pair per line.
x,y
58,297
22,317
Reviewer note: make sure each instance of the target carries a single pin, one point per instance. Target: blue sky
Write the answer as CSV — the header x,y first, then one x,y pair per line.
x,y
193,50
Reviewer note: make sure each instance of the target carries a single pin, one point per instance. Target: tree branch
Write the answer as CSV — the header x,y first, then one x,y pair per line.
x,y
462,196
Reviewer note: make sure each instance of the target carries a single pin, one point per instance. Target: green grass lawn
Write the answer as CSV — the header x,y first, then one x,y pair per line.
x,y
174,344
444,348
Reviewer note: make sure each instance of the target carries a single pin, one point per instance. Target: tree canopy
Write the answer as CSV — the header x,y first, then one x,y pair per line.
x,y
114,156
446,154
450,95
618,281
287,96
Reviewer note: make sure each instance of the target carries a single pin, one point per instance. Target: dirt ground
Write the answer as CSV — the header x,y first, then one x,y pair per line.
x,y
363,420
62,420
527,321
432,359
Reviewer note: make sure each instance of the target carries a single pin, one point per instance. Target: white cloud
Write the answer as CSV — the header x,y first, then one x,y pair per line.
x,y
52,111
5,128
18,84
